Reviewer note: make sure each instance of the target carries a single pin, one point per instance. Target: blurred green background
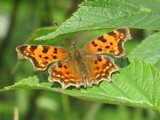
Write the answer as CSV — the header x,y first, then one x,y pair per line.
x,y
18,19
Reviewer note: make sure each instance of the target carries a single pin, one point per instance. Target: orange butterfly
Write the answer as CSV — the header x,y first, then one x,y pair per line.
x,y
78,67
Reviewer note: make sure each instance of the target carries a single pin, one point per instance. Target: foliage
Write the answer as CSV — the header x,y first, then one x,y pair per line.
x,y
134,85
137,82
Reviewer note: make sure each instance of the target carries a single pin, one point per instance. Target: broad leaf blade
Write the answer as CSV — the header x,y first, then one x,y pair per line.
x,y
148,50
103,14
137,84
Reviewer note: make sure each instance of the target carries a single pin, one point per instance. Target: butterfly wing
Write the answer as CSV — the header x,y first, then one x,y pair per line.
x,y
41,56
111,42
66,73
100,68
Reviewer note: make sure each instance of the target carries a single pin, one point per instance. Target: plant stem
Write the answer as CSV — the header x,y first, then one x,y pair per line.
x,y
31,110
93,111
66,106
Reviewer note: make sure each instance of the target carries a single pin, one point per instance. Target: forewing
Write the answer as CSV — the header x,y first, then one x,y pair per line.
x,y
41,56
111,42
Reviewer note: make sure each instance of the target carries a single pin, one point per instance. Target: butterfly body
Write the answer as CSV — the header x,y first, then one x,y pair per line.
x,y
78,67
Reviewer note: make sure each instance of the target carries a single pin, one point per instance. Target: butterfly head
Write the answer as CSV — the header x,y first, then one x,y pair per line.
x,y
75,52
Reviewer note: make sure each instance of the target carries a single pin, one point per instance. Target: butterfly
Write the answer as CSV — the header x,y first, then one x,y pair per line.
x,y
78,67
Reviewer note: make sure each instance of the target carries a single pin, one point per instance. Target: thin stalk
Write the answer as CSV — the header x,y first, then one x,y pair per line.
x,y
66,106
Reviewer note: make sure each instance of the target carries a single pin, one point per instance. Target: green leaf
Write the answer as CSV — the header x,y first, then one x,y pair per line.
x,y
137,84
39,32
148,50
104,14
44,31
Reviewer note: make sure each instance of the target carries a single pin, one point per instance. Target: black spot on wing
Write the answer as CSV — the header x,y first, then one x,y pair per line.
x,y
97,68
32,48
111,43
45,49
122,30
112,34
95,62
107,47
65,67
94,44
99,49
46,57
112,51
67,73
55,50
99,58
102,39
59,65
22,48
54,57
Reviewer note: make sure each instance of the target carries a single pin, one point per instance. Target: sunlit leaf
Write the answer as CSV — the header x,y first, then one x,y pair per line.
x,y
148,50
137,84
103,14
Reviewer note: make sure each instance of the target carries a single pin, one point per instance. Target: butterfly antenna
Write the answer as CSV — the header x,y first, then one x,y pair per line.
x,y
79,21
58,26
73,41
74,44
